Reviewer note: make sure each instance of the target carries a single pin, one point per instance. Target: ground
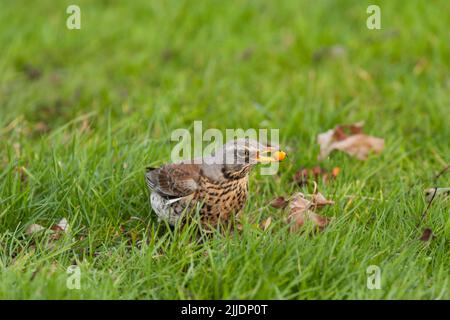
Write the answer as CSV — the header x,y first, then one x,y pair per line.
x,y
82,112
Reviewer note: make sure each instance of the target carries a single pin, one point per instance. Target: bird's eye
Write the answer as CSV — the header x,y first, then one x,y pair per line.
x,y
244,154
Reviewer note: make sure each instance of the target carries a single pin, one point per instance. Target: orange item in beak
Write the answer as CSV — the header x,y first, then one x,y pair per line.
x,y
279,155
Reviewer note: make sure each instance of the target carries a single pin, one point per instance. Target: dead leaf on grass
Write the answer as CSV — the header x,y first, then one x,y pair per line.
x,y
34,228
279,203
56,231
353,142
427,235
319,201
298,219
302,209
432,193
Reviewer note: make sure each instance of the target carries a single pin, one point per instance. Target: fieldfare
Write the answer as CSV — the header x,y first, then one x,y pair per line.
x,y
216,185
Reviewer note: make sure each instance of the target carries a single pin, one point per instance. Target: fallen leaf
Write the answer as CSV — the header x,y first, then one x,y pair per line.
x,y
55,231
317,171
62,225
299,217
301,177
355,144
34,228
426,235
432,193
279,203
318,200
299,201
302,209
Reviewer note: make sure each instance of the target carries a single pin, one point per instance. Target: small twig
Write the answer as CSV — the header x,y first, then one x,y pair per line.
x,y
429,205
442,172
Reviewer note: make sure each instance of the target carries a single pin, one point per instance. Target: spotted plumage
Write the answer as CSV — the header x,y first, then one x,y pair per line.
x,y
216,186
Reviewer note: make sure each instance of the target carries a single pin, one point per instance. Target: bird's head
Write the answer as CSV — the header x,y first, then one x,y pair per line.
x,y
240,155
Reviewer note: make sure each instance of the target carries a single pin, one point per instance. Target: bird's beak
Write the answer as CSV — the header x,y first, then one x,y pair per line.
x,y
275,155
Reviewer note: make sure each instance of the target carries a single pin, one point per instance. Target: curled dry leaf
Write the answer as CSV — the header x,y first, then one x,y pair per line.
x,y
355,143
426,235
319,201
302,209
299,202
301,177
62,225
298,218
279,203
60,228
34,228
56,230
432,193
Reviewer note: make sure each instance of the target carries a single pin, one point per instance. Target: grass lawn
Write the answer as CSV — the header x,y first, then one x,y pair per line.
x,y
83,112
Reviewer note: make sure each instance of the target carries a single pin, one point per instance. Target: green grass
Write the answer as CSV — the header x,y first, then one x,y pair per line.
x,y
83,112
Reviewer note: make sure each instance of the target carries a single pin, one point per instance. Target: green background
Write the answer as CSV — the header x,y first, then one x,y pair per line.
x,y
82,112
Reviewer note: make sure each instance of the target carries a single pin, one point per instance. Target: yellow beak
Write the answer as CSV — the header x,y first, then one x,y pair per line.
x,y
275,156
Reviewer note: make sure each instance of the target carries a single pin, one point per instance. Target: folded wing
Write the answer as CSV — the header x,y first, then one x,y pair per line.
x,y
174,180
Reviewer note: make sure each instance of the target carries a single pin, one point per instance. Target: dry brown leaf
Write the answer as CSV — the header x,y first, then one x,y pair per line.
x,y
301,177
356,144
62,225
279,203
299,217
55,231
427,235
299,202
302,209
34,228
319,201
59,229
432,193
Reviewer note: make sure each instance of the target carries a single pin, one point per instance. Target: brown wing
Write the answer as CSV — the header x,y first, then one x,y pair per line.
x,y
174,180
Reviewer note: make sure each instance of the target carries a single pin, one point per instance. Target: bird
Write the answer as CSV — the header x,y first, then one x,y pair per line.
x,y
216,185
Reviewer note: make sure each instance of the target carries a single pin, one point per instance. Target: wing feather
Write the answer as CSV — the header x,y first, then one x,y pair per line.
x,y
174,180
